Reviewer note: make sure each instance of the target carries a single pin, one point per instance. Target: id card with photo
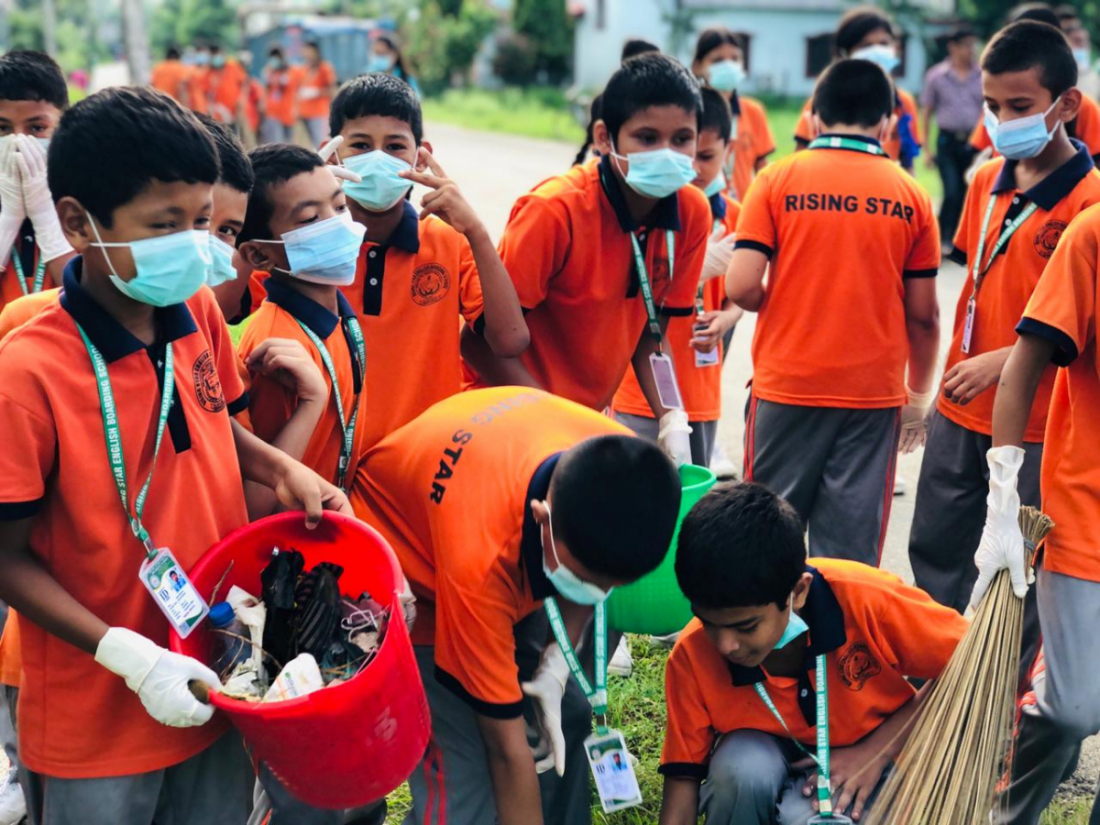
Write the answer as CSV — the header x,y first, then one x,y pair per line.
x,y
173,592
615,780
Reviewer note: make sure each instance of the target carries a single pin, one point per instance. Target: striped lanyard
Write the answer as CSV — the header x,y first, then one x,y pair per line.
x,y
39,273
597,695
347,426
839,142
647,288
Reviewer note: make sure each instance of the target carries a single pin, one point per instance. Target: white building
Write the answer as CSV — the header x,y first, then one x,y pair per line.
x,y
789,41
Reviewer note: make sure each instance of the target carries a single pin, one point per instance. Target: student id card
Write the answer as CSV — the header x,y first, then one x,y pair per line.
x,y
173,592
664,376
615,780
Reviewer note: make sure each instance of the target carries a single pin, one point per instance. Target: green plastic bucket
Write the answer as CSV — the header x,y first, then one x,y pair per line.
x,y
654,604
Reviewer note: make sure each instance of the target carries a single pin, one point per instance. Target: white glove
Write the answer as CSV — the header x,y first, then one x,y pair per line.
x,y
339,170
673,435
12,210
309,93
1002,543
546,688
158,676
39,203
717,260
913,417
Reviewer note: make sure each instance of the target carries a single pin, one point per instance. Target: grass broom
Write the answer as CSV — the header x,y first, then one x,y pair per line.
x,y
961,739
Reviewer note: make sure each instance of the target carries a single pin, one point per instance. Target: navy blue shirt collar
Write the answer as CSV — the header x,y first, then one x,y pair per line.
x,y
110,337
717,206
406,235
531,543
666,215
825,618
735,104
1050,190
320,321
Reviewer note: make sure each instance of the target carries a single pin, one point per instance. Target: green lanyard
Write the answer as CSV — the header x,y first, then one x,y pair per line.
x,y
643,279
838,142
979,271
114,438
596,696
39,273
347,426
824,797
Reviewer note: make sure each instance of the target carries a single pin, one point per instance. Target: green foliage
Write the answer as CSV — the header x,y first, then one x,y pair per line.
x,y
539,112
184,22
76,46
989,15
443,46
548,27
515,61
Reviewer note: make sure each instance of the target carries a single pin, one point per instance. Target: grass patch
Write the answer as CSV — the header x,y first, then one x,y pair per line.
x,y
1067,812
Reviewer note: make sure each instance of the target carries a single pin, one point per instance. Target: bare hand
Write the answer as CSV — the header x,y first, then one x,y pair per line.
x,y
286,361
709,331
929,160
856,771
446,202
299,488
970,378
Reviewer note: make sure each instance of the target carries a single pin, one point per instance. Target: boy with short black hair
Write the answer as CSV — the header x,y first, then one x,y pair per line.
x,y
33,249
831,404
604,255
742,684
418,273
151,374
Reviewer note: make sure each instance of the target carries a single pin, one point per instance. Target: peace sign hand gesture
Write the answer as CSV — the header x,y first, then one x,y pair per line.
x,y
445,201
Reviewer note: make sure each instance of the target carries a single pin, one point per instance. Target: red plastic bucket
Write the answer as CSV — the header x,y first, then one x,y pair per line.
x,y
342,746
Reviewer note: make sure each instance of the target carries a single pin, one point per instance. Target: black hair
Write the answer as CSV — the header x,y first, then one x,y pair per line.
x,y
959,33
113,144
716,114
313,44
711,39
399,59
636,46
740,546
27,75
644,81
377,93
1038,12
856,24
1027,44
272,164
275,50
616,499
853,92
1066,12
172,53
236,171
215,48
595,112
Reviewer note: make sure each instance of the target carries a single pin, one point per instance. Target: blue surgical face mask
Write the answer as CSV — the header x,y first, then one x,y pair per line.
x,y
221,267
381,187
170,268
1022,138
657,173
324,252
1083,56
217,61
565,581
885,56
44,143
202,58
715,186
726,75
380,63
796,626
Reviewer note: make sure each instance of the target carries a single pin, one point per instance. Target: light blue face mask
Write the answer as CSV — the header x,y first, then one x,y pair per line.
x,y
565,581
726,75
1022,138
715,186
1083,56
657,173
885,56
170,268
324,252
381,187
796,626
380,63
221,268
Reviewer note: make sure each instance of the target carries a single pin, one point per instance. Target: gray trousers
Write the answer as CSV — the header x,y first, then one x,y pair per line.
x,y
1068,699
211,788
702,434
750,782
317,127
274,131
9,698
836,468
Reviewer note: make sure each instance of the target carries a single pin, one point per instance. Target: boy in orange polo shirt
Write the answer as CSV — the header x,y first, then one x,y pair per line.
x,y
494,500
830,403
280,99
170,76
1015,213
696,342
118,749
223,85
419,273
316,88
741,686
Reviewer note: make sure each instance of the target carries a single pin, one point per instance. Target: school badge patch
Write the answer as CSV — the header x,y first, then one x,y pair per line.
x,y
1046,239
430,284
208,388
857,665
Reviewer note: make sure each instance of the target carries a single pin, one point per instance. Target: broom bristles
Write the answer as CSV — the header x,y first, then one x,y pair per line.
x,y
961,737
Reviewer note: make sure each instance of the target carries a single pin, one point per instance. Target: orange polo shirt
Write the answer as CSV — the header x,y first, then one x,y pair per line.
x,y
567,247
11,659
874,631
169,76
1016,270
22,309
700,386
906,105
282,95
321,78
271,403
451,493
1064,309
752,141
9,275
196,88
223,90
76,719
410,294
843,229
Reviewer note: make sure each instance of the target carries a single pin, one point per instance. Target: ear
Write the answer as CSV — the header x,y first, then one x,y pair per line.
x,y
801,592
74,223
540,511
256,255
601,137
1070,105
891,124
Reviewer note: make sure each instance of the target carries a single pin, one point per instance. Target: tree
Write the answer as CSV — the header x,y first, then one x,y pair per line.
x,y
183,22
547,26
442,47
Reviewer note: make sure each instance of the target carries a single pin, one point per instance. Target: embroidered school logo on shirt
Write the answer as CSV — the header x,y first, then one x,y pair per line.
x,y
857,665
430,284
1046,239
208,388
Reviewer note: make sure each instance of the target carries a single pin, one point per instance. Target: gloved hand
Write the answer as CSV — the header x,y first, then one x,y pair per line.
x,y
718,256
408,605
12,210
913,416
158,676
546,688
1002,544
338,169
39,203
673,436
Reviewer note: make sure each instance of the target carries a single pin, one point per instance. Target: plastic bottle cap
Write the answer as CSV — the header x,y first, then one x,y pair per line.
x,y
221,614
